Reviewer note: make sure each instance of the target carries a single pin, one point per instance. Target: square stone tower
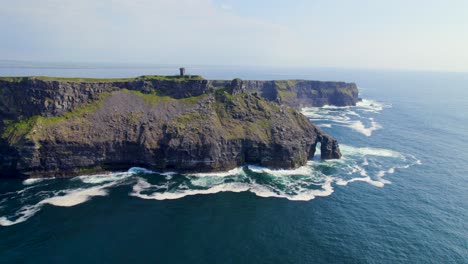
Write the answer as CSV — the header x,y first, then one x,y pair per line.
x,y
182,72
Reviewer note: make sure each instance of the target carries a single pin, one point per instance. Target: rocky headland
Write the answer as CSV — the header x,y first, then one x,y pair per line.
x,y
59,127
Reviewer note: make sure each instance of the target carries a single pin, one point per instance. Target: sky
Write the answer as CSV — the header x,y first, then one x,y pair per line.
x,y
381,34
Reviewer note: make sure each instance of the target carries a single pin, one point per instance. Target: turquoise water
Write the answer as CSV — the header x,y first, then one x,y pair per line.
x,y
399,195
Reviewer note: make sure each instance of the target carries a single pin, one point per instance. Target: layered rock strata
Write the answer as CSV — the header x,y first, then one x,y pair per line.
x,y
66,127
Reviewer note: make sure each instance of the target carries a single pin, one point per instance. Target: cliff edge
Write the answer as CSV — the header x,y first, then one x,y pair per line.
x,y
66,127
302,93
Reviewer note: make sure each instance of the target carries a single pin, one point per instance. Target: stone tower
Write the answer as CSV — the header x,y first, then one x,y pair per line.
x,y
182,72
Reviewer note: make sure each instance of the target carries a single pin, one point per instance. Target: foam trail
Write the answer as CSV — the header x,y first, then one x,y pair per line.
x,y
67,197
32,181
367,131
316,179
348,150
75,197
24,214
218,174
102,178
354,117
300,184
304,170
364,179
71,198
143,185
303,195
372,105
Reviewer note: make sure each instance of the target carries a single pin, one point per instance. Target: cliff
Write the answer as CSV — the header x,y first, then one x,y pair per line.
x,y
65,127
303,93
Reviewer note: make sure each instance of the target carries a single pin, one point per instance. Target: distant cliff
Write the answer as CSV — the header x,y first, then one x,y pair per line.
x,y
303,93
65,126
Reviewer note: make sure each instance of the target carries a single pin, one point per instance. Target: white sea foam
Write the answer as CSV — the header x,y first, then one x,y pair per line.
x,y
19,192
32,181
304,170
95,185
218,174
135,170
354,117
142,185
76,196
368,151
22,215
203,181
70,198
361,128
290,184
102,178
372,105
372,158
398,161
317,179
365,162
144,190
303,194
363,179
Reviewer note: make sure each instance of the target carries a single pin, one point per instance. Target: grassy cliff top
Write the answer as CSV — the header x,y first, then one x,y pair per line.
x,y
79,79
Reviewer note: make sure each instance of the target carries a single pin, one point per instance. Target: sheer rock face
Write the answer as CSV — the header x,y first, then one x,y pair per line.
x,y
301,93
66,128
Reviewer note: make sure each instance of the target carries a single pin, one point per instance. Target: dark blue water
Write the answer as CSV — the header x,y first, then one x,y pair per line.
x,y
400,195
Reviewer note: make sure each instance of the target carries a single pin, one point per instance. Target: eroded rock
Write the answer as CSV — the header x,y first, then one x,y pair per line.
x,y
65,128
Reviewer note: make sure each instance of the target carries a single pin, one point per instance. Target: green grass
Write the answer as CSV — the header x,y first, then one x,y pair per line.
x,y
286,94
151,99
284,88
172,77
286,84
14,79
227,104
192,100
79,112
15,131
155,98
69,79
77,79
190,118
283,85
223,94
346,91
134,117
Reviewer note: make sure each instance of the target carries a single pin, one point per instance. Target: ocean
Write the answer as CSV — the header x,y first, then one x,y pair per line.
x,y
398,195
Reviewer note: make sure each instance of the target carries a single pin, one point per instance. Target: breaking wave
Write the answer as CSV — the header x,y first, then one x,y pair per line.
x,y
317,179
358,118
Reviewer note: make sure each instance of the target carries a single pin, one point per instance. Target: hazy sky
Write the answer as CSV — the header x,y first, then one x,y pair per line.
x,y
394,34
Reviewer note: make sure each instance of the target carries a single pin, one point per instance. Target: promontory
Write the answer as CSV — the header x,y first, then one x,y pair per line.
x,y
60,127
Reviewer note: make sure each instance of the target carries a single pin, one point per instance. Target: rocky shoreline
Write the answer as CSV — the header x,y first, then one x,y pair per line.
x,y
61,127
